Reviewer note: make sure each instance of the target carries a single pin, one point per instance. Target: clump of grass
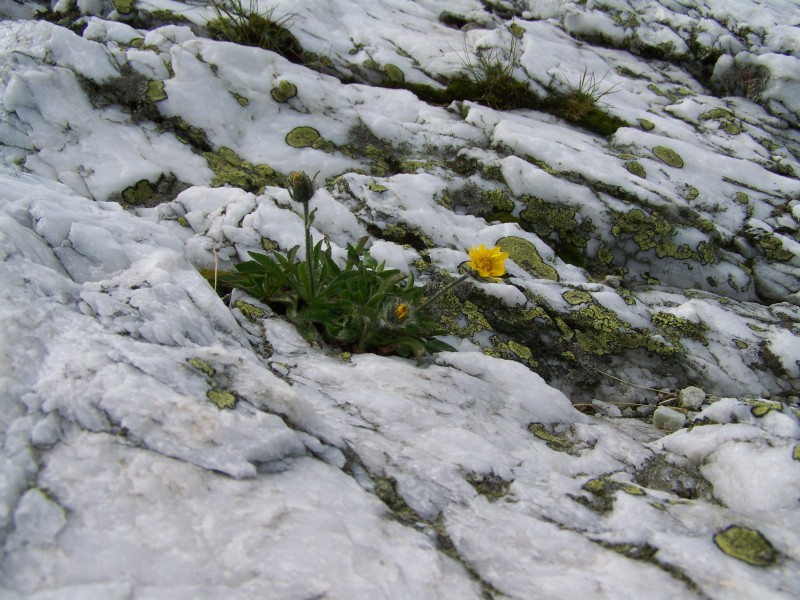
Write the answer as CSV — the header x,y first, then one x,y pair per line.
x,y
246,25
585,96
491,78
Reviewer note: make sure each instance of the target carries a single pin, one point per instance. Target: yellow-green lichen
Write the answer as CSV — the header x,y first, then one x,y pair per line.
x,y
250,311
525,254
761,408
499,200
230,169
155,91
668,156
308,137
652,232
183,222
747,545
691,192
377,187
240,99
139,193
635,168
773,247
742,198
646,125
516,30
796,452
123,7
520,350
489,485
575,297
283,91
202,366
554,442
394,74
675,327
222,399
741,344
633,490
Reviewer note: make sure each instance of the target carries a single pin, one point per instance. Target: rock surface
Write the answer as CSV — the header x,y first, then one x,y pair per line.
x,y
653,244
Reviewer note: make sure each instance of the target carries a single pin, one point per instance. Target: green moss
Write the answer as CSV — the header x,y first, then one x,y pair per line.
x,y
747,545
525,254
250,311
646,125
635,168
222,399
283,91
155,91
230,169
394,74
203,366
554,442
575,297
668,156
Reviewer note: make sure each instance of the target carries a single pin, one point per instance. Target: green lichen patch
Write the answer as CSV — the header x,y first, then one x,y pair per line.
x,y
155,91
394,74
691,193
554,442
230,169
651,232
402,235
747,545
516,30
646,125
242,100
635,168
601,494
668,156
575,297
205,367
661,475
491,486
796,452
771,245
525,254
250,311
762,408
675,328
284,91
308,137
377,187
222,399
139,193
386,490
123,7
558,223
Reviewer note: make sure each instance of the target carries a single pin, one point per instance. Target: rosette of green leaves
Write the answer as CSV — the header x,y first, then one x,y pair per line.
x,y
354,307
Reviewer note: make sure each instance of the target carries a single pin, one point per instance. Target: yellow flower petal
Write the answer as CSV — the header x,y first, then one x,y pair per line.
x,y
487,262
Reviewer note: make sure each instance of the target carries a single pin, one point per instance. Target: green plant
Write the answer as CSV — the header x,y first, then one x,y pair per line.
x,y
361,306
491,79
583,97
249,27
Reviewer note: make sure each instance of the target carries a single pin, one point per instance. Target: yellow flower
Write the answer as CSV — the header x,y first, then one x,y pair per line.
x,y
487,262
401,312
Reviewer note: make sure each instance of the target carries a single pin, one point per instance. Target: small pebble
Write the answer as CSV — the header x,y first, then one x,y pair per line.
x,y
668,419
691,397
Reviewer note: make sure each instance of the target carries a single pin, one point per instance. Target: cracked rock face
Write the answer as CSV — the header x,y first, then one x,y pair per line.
x,y
161,441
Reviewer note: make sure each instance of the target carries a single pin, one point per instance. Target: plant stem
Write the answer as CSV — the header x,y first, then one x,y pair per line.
x,y
309,248
449,286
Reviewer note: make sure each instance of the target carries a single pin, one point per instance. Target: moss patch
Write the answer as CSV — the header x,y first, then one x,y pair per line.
x,y
747,545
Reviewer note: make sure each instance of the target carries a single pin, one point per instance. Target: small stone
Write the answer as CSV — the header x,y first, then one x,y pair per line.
x,y
668,419
691,397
